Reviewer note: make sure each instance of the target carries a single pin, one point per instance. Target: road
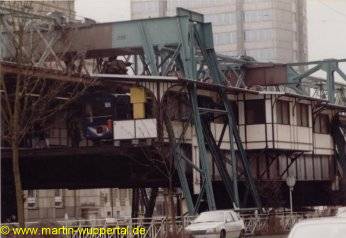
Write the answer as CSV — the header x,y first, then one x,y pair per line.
x,y
276,236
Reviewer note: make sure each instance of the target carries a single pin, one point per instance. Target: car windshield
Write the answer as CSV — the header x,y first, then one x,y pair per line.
x,y
335,230
210,217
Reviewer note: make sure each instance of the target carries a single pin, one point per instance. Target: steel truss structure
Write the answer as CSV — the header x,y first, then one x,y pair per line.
x,y
47,39
164,52
327,88
188,49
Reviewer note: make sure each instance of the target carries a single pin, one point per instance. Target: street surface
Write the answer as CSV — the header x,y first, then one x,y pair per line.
x,y
277,236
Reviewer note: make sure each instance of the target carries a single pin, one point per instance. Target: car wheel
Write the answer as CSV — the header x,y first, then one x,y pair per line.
x,y
242,234
223,234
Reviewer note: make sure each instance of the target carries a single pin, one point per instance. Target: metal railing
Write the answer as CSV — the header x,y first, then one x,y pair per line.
x,y
278,222
156,227
161,227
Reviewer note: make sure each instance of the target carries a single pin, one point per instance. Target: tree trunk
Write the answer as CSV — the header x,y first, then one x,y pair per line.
x,y
18,184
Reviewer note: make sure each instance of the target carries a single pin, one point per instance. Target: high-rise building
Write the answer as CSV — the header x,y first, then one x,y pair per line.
x,y
144,8
268,30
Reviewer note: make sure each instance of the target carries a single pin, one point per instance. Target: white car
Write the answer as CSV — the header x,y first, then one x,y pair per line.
x,y
329,227
341,212
221,223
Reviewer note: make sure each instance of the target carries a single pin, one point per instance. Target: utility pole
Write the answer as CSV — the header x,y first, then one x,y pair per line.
x,y
291,181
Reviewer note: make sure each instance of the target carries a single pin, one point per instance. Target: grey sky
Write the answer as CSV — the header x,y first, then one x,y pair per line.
x,y
104,10
326,22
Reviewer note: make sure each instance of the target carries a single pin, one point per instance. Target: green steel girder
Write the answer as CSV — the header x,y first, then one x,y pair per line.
x,y
149,34
338,133
341,73
330,66
330,69
178,164
298,77
153,34
187,35
218,78
219,161
201,148
147,45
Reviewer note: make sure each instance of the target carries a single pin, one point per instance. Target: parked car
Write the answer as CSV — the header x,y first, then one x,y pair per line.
x,y
331,227
221,223
341,212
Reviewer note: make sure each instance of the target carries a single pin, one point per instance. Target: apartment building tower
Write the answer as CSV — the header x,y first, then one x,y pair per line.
x,y
268,30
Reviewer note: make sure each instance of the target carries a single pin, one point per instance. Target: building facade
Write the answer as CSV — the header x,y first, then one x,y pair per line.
x,y
84,204
268,30
88,204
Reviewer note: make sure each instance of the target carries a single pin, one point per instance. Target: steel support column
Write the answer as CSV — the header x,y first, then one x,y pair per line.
x,y
201,148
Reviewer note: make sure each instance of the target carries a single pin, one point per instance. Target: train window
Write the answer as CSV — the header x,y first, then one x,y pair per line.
x,y
255,112
149,108
99,107
205,101
302,114
123,108
321,124
283,112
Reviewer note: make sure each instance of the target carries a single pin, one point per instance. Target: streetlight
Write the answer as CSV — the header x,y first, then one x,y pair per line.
x,y
291,181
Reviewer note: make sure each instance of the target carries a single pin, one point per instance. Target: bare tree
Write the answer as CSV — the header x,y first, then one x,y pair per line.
x,y
31,96
167,155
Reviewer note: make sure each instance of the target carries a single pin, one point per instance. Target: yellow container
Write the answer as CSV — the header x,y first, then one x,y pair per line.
x,y
138,110
137,95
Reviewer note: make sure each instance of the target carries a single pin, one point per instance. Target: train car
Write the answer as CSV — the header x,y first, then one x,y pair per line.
x,y
101,109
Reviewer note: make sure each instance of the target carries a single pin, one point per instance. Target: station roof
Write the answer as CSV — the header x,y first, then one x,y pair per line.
x,y
115,79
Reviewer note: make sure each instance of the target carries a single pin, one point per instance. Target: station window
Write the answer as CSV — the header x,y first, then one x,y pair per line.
x,y
302,114
222,118
283,112
321,124
255,112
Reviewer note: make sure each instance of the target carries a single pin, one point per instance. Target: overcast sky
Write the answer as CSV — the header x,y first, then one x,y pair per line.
x,y
326,22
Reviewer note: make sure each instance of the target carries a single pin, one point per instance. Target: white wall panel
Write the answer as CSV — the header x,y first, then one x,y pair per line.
x,y
145,128
123,130
134,129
